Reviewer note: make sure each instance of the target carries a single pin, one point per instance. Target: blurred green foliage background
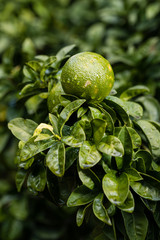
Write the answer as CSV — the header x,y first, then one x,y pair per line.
x,y
126,32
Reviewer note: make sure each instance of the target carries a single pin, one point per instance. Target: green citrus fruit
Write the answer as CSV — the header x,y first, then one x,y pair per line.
x,y
87,75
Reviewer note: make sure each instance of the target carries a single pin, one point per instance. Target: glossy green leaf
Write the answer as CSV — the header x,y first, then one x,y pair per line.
x,y
54,121
88,178
133,174
31,148
55,159
76,137
81,111
146,156
99,127
152,135
95,113
111,145
128,205
71,155
135,110
140,165
120,108
37,178
136,225
148,188
134,92
81,196
136,139
116,187
151,107
67,112
81,214
53,100
99,209
106,162
22,129
126,140
88,155
109,110
20,178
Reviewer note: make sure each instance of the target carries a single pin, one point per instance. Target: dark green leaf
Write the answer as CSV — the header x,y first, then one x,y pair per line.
x,y
152,135
71,156
148,188
88,178
136,225
88,155
37,178
116,187
99,209
67,112
126,140
81,196
120,108
146,156
20,178
22,129
55,159
81,214
133,174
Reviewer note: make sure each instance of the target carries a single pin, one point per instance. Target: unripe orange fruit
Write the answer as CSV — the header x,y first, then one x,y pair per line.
x,y
87,75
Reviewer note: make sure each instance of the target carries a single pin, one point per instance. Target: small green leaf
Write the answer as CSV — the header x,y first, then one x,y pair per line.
x,y
31,148
128,205
148,188
133,174
111,145
81,111
22,129
81,214
126,140
55,159
120,108
136,224
95,113
88,155
135,110
54,121
67,112
71,155
134,92
37,178
88,178
99,209
116,187
136,139
99,127
76,137
20,178
81,196
152,135
146,156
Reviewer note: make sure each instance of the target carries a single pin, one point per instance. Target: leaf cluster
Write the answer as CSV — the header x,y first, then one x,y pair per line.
x,y
100,159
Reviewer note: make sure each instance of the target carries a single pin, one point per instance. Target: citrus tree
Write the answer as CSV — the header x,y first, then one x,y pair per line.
x,y
97,157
